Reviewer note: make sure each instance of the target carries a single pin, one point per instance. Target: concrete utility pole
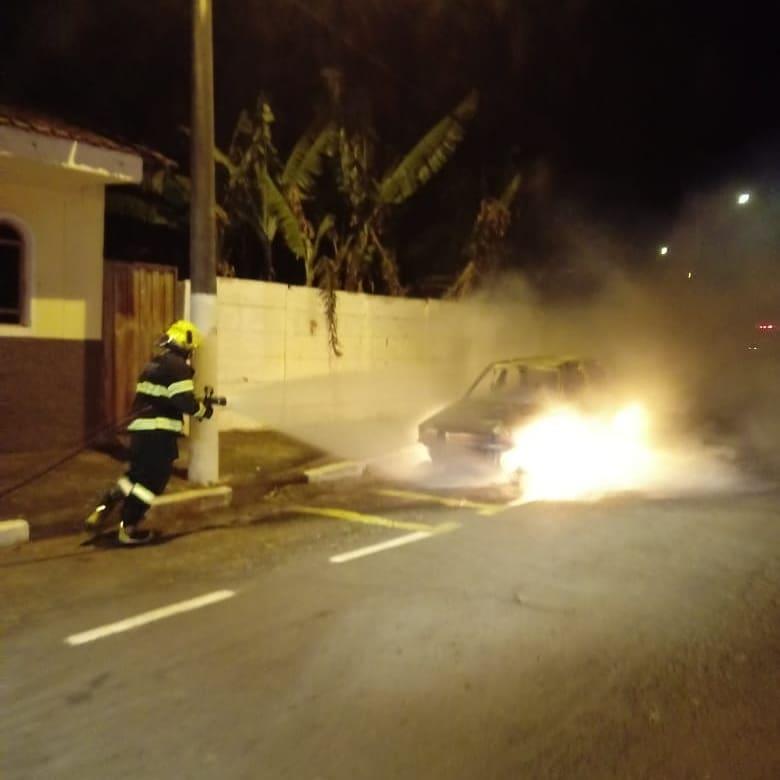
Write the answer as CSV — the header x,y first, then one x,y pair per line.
x,y
204,449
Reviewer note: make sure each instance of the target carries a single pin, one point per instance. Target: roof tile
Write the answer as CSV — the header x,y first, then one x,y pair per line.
x,y
23,119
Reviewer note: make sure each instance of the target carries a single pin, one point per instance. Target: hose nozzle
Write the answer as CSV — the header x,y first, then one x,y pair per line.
x,y
213,400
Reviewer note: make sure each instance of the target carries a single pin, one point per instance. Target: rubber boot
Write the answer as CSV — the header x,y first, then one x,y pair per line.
x,y
131,535
103,509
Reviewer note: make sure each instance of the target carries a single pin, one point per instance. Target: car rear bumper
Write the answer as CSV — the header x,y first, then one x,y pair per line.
x,y
452,444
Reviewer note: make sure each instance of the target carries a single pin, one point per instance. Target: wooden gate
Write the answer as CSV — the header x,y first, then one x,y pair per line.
x,y
139,303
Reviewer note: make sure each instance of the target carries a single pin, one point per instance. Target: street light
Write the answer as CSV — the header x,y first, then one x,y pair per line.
x,y
743,198
664,250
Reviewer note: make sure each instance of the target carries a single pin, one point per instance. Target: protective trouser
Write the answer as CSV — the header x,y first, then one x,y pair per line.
x,y
152,454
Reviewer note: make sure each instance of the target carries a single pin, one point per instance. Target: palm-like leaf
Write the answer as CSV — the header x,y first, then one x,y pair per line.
x,y
156,182
429,155
277,210
133,205
173,188
305,163
465,283
244,126
510,191
223,159
327,224
223,218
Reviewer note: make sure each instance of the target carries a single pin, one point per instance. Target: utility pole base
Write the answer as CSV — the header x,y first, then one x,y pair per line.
x,y
204,434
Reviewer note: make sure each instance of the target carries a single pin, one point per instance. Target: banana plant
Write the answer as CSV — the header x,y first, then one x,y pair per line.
x,y
483,250
247,188
359,258
429,155
162,199
363,258
254,188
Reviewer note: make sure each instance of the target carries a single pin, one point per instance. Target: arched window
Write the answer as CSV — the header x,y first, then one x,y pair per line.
x,y
12,276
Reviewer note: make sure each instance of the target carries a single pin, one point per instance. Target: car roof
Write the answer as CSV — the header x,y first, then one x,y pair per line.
x,y
541,362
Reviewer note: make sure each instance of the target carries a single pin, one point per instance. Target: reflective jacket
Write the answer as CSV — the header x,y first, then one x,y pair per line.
x,y
164,394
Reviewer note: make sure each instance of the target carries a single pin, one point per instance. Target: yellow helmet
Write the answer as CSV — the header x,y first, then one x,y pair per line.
x,y
184,335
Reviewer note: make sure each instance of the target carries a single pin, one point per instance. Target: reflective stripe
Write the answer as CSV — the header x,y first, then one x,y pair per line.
x,y
156,424
161,391
201,411
149,388
136,489
185,386
142,493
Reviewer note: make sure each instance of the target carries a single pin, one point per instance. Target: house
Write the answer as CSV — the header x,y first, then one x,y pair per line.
x,y
52,193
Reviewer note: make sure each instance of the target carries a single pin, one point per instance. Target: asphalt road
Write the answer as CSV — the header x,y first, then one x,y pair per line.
x,y
623,639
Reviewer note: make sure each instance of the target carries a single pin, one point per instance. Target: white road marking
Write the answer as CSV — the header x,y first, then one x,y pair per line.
x,y
148,617
399,541
375,548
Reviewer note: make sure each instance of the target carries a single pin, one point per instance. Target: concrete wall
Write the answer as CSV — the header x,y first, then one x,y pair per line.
x,y
400,356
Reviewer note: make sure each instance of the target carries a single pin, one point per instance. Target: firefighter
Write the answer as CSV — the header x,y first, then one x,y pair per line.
x,y
164,394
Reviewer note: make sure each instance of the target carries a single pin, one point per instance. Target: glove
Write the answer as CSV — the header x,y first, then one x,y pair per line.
x,y
205,411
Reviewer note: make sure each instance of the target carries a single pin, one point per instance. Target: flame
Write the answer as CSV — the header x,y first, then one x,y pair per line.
x,y
567,455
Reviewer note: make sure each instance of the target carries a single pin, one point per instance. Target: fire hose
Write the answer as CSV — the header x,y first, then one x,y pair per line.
x,y
209,399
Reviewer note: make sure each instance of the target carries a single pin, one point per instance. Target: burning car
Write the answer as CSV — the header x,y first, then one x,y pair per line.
x,y
504,397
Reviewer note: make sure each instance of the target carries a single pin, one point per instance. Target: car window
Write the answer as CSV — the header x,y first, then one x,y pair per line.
x,y
533,380
515,383
490,383
499,381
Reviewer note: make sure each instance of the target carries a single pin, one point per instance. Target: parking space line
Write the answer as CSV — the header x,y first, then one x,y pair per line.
x,y
399,541
148,617
456,503
359,517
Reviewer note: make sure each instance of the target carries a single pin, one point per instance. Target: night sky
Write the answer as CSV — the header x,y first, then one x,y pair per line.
x,y
615,110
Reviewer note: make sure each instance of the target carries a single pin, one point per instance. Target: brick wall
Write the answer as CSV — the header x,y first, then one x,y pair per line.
x,y
50,392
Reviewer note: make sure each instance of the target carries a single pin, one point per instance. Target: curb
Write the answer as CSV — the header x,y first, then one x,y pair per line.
x,y
331,472
198,500
16,531
201,499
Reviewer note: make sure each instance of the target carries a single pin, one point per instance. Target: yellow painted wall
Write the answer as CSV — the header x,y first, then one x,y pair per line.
x,y
62,215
